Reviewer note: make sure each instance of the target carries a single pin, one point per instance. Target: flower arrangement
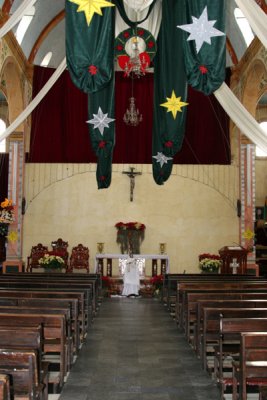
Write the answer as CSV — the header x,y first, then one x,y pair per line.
x,y
157,283
130,236
209,262
51,261
7,216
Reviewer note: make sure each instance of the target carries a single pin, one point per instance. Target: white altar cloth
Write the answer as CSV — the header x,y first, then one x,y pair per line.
x,y
131,278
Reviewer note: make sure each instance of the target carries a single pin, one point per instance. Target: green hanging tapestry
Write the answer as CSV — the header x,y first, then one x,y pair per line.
x,y
90,27
204,44
170,91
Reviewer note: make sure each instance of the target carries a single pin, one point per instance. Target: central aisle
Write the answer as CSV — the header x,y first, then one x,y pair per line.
x,y
134,351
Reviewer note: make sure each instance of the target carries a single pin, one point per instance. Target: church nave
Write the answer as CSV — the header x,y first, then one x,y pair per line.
x,y
134,351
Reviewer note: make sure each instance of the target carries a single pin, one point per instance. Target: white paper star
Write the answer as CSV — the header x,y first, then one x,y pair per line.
x,y
201,30
162,159
100,121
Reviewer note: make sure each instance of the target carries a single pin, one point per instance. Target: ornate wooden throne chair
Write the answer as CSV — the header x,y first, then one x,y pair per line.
x,y
79,258
60,247
37,252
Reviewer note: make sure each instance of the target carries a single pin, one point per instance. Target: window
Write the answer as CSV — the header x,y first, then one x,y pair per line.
x,y
46,59
24,24
244,26
259,152
3,142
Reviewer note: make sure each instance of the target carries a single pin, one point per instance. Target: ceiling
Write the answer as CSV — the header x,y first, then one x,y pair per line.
x,y
47,31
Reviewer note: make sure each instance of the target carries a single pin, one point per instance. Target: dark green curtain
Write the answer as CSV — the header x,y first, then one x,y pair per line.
x,y
169,76
205,69
90,61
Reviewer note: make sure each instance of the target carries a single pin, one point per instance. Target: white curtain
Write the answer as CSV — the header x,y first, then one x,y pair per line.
x,y
14,19
136,12
35,101
256,18
241,117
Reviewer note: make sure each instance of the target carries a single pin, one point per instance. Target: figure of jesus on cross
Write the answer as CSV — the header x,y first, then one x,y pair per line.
x,y
131,174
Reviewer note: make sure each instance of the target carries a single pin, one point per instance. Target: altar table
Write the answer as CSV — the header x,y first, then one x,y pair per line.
x,y
105,268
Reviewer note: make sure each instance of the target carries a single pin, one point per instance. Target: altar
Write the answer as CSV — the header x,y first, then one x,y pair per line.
x,y
159,263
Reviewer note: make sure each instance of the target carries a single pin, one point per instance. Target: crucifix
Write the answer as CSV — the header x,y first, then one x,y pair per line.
x,y
131,174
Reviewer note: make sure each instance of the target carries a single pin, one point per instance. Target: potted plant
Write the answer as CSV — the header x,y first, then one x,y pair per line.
x,y
209,263
51,262
157,283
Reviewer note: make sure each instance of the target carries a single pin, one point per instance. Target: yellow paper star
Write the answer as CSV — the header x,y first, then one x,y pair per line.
x,y
89,7
174,104
248,234
12,236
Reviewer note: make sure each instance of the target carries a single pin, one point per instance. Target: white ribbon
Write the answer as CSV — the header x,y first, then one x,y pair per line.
x,y
35,101
14,19
241,117
256,18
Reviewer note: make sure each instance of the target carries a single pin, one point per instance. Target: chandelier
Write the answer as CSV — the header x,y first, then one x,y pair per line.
x,y
132,115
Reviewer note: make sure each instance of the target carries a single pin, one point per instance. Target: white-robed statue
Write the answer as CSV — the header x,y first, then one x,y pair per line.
x,y
131,278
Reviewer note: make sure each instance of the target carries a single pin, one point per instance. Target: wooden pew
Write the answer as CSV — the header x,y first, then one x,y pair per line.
x,y
4,387
47,294
91,282
217,304
251,369
170,282
49,345
27,338
222,290
230,330
47,303
211,326
54,285
22,366
54,328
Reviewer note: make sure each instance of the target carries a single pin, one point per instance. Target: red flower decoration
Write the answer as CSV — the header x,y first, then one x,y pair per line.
x,y
102,177
126,34
169,143
203,69
150,44
140,32
119,47
93,69
102,144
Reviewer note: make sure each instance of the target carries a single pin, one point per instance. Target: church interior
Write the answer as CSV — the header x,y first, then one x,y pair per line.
x,y
125,130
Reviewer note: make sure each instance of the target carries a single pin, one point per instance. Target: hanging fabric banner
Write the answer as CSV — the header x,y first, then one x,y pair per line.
x,y
90,30
89,44
204,44
170,91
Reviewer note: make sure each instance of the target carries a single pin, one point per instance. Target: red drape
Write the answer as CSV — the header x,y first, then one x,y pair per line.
x,y
60,133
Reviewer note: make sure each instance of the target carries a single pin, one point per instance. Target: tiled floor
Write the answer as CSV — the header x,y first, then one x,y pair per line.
x,y
134,351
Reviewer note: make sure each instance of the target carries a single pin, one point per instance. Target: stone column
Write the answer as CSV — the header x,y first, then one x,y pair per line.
x,y
15,192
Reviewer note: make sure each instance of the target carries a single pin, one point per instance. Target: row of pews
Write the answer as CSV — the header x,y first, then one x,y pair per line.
x,y
224,319
44,320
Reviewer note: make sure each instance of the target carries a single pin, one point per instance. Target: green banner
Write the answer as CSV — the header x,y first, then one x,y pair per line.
x,y
205,44
170,91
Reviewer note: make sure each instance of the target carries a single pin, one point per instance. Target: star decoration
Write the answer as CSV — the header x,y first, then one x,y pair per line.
x,y
89,7
201,30
174,104
12,236
100,121
248,234
162,159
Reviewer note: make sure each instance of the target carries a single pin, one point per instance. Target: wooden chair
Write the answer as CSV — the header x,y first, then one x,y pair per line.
x,y
60,247
79,258
37,252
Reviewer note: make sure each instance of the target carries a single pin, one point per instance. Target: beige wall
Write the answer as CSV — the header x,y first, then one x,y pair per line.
x,y
261,181
193,212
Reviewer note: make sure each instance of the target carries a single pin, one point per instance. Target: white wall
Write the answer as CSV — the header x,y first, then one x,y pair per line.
x,y
193,212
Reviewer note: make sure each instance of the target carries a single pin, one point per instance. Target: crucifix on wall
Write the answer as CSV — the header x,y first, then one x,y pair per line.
x,y
131,174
